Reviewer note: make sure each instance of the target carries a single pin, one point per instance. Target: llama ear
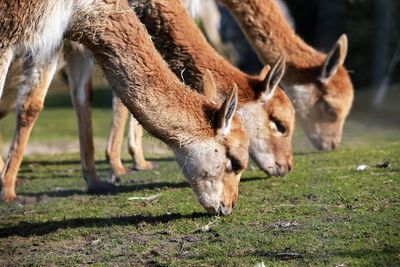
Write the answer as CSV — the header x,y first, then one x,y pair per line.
x,y
273,78
208,87
225,113
334,59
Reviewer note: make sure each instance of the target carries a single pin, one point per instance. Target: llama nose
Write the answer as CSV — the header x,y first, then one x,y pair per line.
x,y
224,210
283,169
327,145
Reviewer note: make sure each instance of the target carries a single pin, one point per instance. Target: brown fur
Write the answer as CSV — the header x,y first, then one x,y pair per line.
x,y
250,85
115,137
150,91
115,140
135,147
190,57
11,30
109,47
270,34
187,51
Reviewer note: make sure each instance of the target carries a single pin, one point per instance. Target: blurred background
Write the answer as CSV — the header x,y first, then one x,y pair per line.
x,y
373,60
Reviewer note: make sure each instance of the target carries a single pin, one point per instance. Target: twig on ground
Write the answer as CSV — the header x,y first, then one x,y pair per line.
x,y
207,227
384,164
149,198
362,167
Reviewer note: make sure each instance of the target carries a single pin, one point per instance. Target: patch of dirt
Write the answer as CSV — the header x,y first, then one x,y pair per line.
x,y
102,246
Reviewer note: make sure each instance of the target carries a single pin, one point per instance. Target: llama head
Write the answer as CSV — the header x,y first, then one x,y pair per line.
x,y
323,104
213,165
269,122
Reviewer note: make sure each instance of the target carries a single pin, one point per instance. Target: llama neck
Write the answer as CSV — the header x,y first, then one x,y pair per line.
x,y
184,47
270,34
139,76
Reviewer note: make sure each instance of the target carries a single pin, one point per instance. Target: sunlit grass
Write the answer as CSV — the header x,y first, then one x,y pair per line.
x,y
324,213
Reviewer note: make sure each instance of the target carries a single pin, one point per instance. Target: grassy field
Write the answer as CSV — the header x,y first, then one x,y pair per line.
x,y
324,213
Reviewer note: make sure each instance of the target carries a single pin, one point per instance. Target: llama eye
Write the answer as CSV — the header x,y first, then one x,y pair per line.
x,y
279,126
328,109
234,165
328,113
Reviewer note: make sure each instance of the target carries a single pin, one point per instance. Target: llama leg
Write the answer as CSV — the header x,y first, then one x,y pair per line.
x,y
10,88
1,156
135,146
79,68
115,138
5,61
31,94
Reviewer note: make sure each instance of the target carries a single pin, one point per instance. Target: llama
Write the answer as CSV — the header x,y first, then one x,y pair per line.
x,y
143,82
267,113
270,149
317,83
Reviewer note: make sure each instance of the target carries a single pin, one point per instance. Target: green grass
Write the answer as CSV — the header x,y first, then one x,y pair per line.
x,y
324,213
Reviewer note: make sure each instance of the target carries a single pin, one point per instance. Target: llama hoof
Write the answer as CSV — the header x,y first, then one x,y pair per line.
x,y
118,171
8,197
102,188
115,178
148,165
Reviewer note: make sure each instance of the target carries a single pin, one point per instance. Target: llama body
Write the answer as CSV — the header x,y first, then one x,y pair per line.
x,y
270,148
149,90
189,56
317,83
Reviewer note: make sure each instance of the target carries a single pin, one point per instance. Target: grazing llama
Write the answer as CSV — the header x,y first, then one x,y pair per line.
x,y
267,113
142,80
317,83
